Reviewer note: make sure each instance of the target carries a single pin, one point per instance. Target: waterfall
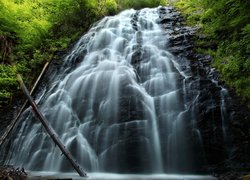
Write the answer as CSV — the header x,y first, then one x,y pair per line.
x,y
122,103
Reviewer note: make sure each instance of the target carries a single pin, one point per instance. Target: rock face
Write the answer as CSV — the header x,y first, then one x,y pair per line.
x,y
222,118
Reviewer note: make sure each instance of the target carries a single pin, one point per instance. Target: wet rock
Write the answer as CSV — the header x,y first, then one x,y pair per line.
x,y
179,49
165,19
135,20
9,173
230,176
205,82
130,159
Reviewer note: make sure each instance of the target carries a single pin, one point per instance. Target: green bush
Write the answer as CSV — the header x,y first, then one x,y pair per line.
x,y
8,83
111,7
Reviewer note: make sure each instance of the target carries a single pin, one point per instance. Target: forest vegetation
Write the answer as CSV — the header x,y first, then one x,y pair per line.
x,y
226,26
32,32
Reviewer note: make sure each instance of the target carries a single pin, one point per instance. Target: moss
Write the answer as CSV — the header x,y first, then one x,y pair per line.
x,y
226,25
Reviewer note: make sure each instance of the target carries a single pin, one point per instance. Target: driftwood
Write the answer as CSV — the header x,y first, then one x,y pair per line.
x,y
14,122
49,129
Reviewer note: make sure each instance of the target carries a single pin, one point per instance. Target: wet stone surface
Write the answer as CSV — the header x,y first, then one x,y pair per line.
x,y
226,151
11,173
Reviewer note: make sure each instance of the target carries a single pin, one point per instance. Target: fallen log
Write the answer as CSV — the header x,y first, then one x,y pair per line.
x,y
49,129
15,121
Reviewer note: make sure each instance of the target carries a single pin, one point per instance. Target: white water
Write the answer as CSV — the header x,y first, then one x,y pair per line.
x,y
109,176
126,106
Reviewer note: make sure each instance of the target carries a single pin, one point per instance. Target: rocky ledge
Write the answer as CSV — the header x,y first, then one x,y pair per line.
x,y
223,119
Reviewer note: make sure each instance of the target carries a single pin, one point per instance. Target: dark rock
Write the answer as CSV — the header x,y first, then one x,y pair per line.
x,y
129,159
10,172
205,80
179,49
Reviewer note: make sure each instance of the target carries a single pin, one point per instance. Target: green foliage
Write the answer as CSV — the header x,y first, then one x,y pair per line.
x,y
227,24
110,7
223,17
138,4
4,96
192,9
32,31
8,83
29,26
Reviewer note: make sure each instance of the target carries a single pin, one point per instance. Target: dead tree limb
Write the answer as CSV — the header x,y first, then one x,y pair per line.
x,y
14,122
49,129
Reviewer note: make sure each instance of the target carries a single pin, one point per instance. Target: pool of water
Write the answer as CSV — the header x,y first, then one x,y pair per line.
x,y
111,176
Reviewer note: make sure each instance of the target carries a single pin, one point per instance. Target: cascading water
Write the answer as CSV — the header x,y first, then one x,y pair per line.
x,y
122,104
